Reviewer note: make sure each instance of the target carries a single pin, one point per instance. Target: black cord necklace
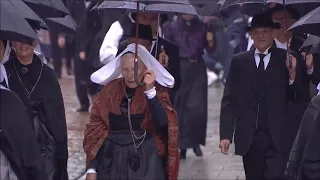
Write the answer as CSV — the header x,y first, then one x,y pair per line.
x,y
25,70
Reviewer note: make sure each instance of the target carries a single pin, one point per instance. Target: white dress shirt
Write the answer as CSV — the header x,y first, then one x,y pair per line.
x,y
266,59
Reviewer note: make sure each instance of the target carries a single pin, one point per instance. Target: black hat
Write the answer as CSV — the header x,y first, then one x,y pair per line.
x,y
145,31
263,20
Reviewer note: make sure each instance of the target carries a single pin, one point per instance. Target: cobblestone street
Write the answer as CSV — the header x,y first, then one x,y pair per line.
x,y
212,166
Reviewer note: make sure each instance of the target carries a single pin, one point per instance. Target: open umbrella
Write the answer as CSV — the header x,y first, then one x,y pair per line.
x,y
248,7
309,23
24,11
65,24
302,6
13,27
130,6
310,41
48,8
157,6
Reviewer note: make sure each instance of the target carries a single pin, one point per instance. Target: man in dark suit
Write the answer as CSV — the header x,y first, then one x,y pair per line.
x,y
253,108
166,52
308,67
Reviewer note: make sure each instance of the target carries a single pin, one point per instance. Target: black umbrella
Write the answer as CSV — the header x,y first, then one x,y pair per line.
x,y
66,24
13,27
25,12
310,41
309,23
131,6
48,8
302,6
248,7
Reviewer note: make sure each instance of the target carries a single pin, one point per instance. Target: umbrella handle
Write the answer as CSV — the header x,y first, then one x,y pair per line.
x,y
290,62
136,78
136,67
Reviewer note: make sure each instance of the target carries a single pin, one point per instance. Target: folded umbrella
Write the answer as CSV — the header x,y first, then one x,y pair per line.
x,y
48,8
309,23
65,24
26,12
13,27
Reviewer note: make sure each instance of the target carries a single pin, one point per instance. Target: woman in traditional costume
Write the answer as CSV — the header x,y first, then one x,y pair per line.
x,y
38,88
19,156
133,130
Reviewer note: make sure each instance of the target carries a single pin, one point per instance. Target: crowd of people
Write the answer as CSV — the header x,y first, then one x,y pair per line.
x,y
149,95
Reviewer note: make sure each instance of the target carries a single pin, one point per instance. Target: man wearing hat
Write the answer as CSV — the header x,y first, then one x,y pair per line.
x,y
309,68
259,85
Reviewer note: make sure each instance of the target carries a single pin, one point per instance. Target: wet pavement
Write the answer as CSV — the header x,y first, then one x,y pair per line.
x,y
212,166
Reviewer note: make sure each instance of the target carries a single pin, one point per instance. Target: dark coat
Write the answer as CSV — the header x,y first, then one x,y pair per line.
x,y
17,139
47,94
304,161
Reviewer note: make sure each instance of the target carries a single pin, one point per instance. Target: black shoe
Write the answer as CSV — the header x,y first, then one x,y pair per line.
x,y
183,154
83,108
197,151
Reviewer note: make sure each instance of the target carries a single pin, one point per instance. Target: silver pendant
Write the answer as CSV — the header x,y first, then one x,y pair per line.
x,y
24,70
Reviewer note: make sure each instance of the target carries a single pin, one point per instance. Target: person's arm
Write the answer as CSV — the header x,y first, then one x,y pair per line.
x,y
228,103
158,113
109,47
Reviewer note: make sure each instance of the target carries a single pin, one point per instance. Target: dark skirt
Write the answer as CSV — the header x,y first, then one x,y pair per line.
x,y
118,159
191,103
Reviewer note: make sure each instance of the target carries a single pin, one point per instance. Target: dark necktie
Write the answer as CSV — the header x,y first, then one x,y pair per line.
x,y
261,63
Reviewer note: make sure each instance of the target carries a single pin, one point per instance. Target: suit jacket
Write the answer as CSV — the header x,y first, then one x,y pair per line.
x,y
239,103
173,53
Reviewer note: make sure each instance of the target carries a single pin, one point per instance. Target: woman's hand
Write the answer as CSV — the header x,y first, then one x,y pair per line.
x,y
91,176
149,79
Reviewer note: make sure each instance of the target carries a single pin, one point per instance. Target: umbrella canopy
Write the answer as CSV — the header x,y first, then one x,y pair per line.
x,y
25,12
130,6
302,6
65,24
248,7
310,41
13,27
309,23
48,8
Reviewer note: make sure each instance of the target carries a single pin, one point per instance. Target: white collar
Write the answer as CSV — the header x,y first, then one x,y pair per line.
x,y
130,17
282,45
258,52
3,74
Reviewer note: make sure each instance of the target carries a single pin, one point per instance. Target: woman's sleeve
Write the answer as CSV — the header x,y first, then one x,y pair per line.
x,y
97,129
158,113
